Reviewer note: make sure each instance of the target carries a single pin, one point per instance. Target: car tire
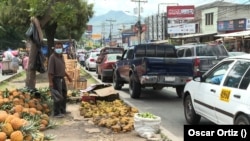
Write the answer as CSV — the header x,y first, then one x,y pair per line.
x,y
116,83
242,120
189,112
134,87
179,91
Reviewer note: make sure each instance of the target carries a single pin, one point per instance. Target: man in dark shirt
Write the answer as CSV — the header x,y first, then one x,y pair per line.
x,y
56,74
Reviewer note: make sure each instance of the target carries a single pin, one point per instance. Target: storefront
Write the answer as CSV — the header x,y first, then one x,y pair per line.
x,y
235,34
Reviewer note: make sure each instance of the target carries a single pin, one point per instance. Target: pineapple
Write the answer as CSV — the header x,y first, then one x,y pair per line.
x,y
7,128
3,136
16,123
16,136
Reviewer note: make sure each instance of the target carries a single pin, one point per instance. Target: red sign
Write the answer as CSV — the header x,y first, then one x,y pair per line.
x,y
186,12
89,29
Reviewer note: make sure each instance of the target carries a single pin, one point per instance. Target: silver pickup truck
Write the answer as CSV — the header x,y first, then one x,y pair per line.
x,y
205,55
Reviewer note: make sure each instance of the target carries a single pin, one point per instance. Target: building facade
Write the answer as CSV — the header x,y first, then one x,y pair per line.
x,y
210,19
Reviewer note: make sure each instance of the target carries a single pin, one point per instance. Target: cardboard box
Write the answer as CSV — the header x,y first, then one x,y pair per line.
x,y
102,92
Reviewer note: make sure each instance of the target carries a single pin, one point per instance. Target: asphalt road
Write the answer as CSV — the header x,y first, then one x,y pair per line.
x,y
164,103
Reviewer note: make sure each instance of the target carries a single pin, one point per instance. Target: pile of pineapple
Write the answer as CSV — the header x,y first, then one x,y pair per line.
x,y
116,115
23,115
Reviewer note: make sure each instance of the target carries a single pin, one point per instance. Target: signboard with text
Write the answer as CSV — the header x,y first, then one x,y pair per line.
x,y
231,25
183,12
89,28
181,28
247,24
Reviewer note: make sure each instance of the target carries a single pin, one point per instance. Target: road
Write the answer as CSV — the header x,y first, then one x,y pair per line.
x,y
163,103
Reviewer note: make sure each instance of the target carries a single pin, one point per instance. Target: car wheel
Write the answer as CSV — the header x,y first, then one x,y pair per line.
x,y
242,120
179,91
134,87
190,115
116,83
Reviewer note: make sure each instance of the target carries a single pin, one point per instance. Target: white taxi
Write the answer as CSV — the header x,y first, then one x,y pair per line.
x,y
222,94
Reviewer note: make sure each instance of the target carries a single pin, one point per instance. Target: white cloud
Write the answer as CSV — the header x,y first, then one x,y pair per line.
x,y
149,8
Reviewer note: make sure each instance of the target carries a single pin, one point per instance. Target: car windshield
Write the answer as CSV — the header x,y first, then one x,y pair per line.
x,y
211,50
112,57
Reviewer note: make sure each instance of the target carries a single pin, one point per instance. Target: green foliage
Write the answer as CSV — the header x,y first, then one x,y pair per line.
x,y
71,17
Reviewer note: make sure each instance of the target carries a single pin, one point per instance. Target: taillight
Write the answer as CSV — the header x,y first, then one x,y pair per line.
x,y
92,60
197,67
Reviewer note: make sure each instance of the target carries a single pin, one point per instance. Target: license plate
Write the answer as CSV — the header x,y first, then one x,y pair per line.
x,y
167,78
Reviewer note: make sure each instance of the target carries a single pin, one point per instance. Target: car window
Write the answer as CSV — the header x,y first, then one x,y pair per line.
x,y
245,81
111,57
217,74
235,75
180,52
188,52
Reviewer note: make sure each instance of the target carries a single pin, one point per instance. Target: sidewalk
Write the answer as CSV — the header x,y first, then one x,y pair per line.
x,y
77,128
6,77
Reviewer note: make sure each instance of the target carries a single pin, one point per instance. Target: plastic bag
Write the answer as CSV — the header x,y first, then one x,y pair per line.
x,y
29,32
146,127
39,63
56,96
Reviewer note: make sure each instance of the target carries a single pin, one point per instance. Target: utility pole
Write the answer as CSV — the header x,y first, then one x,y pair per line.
x,y
138,23
103,34
110,32
165,20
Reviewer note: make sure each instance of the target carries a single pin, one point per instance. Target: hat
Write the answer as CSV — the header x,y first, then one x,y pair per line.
x,y
56,96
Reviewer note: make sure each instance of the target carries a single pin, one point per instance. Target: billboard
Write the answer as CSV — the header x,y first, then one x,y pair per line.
x,y
181,28
89,28
183,12
232,25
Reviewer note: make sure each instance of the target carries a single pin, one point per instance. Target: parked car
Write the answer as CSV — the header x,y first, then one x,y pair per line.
x,y
205,55
90,62
107,50
152,65
225,101
235,53
105,67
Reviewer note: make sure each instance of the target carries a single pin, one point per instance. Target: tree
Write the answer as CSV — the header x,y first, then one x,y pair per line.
x,y
71,16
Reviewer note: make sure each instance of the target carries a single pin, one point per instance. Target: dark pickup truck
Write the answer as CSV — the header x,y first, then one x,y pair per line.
x,y
152,65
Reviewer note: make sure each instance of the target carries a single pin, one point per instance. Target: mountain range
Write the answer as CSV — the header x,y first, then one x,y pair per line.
x,y
116,20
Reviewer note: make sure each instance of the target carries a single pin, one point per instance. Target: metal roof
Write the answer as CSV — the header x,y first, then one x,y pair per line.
x,y
235,34
192,35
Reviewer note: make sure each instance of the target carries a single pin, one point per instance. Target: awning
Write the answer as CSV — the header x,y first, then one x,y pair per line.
x,y
235,34
193,35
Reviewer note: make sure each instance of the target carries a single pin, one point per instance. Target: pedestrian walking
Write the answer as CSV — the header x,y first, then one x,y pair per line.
x,y
56,74
82,59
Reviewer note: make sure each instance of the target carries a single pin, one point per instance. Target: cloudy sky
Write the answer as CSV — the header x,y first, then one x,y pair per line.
x,y
148,8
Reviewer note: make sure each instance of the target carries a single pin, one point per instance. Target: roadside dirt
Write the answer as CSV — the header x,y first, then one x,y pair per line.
x,y
73,126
